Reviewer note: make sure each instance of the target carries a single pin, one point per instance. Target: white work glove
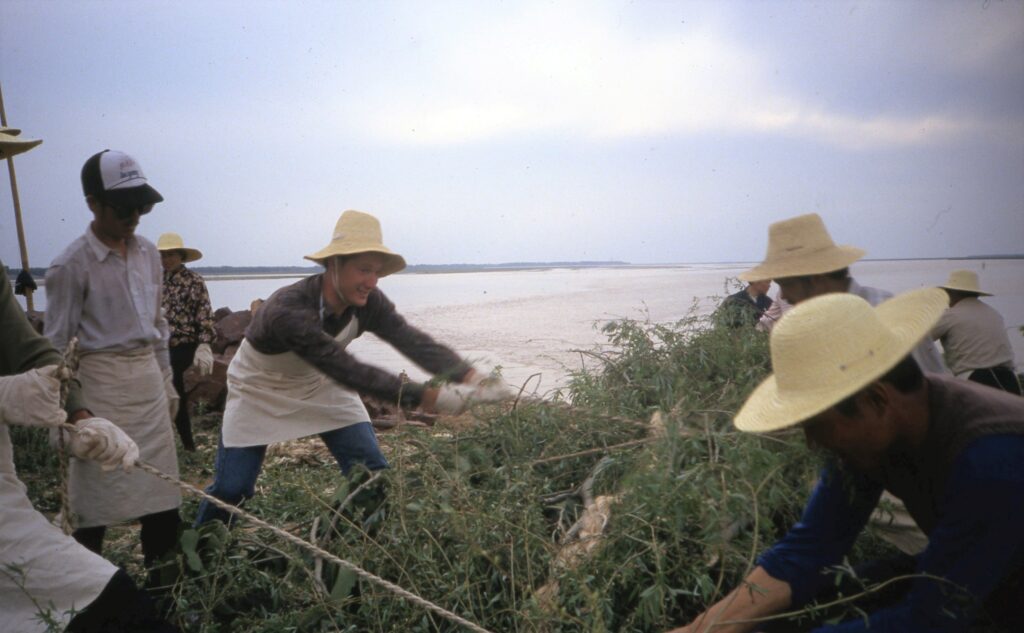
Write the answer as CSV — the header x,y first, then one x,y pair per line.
x,y
492,390
455,399
172,394
32,398
203,361
103,441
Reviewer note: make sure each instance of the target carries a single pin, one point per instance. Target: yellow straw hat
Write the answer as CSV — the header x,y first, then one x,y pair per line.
x,y
173,242
801,246
965,281
12,145
358,232
829,347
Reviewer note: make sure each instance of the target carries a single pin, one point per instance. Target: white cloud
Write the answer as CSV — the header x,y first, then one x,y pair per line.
x,y
576,71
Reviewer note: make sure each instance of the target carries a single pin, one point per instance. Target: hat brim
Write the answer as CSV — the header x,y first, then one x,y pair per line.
x,y
973,291
190,254
133,196
12,146
393,262
819,263
909,316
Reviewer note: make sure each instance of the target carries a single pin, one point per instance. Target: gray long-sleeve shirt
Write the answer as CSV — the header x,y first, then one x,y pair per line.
x,y
293,320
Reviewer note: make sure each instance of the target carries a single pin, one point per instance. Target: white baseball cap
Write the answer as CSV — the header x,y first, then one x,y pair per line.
x,y
117,178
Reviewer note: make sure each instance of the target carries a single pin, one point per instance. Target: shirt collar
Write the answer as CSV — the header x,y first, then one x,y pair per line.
x,y
326,314
99,249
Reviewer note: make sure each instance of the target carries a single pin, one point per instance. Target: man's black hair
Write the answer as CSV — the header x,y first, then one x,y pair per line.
x,y
838,275
906,377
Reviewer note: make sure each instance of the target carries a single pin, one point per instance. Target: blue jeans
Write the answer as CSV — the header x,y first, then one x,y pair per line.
x,y
237,468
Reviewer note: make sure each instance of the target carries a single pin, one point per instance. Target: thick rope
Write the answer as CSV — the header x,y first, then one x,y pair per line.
x,y
70,363
295,540
68,368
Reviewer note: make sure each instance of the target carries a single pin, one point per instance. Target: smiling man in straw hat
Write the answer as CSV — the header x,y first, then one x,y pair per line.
x,y
804,261
974,336
292,377
187,309
950,449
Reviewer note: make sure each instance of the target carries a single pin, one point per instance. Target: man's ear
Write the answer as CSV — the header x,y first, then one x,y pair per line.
x,y
94,204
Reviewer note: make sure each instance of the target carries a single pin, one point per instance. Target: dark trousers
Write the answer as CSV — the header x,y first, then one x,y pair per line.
x,y
120,608
182,356
999,377
159,536
237,468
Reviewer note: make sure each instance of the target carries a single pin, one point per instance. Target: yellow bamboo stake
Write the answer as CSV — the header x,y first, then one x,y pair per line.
x,y
17,208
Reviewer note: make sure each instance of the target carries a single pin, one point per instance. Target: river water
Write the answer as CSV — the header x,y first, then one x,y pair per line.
x,y
530,322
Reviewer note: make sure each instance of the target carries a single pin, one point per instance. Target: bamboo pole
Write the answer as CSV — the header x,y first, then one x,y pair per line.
x,y
17,208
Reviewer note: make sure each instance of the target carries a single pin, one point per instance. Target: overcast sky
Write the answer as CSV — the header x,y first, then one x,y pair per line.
x,y
487,132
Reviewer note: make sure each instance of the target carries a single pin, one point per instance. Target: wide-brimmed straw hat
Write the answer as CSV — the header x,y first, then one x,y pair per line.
x,y
829,347
173,242
965,281
801,246
357,232
12,145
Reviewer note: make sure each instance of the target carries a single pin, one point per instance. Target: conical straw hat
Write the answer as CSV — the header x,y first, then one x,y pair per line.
x,y
801,246
830,347
173,242
358,232
965,281
12,145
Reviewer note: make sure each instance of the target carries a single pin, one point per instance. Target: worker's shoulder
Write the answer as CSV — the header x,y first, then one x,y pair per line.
x,y
74,253
145,244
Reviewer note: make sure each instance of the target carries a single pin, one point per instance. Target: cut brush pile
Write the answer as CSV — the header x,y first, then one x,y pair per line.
x,y
627,502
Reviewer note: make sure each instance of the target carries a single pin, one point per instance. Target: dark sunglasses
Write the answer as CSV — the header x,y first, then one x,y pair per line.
x,y
124,213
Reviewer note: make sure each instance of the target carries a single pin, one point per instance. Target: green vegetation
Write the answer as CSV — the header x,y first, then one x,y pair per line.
x,y
474,512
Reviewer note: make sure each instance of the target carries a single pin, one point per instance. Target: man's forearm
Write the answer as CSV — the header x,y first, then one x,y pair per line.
x,y
760,595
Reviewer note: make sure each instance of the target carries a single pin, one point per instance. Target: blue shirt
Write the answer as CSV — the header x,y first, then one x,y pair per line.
x,y
977,541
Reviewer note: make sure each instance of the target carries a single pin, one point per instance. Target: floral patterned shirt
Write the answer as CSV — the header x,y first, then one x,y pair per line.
x,y
187,307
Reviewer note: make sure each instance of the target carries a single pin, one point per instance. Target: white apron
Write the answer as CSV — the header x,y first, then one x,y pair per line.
x,y
279,397
54,571
126,388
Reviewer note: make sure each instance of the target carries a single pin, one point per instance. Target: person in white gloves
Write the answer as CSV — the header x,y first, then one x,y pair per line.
x,y
187,309
292,376
105,289
41,568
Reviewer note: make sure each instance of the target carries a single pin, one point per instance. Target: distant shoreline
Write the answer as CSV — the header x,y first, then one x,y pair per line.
x,y
281,272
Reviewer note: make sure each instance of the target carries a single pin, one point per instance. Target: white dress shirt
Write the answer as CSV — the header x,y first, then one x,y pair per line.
x,y
109,301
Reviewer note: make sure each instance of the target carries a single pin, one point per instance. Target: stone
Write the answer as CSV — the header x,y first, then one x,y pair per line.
x,y
230,330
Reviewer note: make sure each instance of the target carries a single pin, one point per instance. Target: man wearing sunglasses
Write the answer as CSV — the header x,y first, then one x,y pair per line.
x,y
105,290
